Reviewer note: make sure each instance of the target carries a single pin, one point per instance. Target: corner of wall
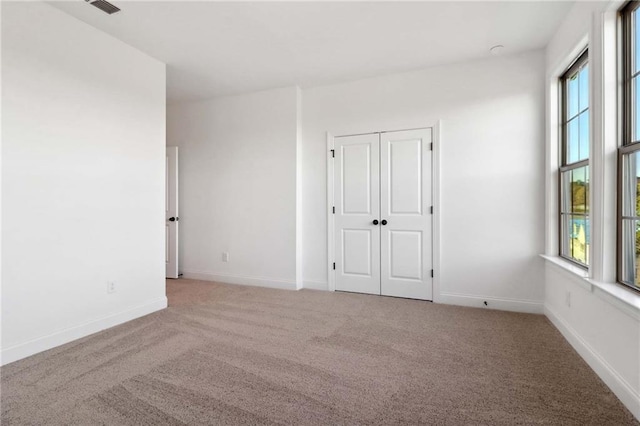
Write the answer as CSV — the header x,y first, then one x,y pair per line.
x,y
609,375
60,337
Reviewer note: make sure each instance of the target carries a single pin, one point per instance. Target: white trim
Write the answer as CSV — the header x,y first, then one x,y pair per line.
x,y
43,343
626,300
436,134
552,239
331,278
503,304
553,138
604,145
578,274
618,385
316,285
597,168
570,55
283,284
299,187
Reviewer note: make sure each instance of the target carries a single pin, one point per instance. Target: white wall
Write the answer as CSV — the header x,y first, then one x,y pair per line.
x,y
238,187
492,180
597,316
83,137
603,330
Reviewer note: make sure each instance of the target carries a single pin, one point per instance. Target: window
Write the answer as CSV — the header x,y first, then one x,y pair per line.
x,y
574,163
629,153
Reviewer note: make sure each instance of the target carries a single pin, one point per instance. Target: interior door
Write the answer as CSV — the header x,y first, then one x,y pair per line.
x,y
171,212
406,220
357,206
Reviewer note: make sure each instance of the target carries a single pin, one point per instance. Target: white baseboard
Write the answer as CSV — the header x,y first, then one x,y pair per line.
x,y
316,285
513,305
40,344
618,385
241,279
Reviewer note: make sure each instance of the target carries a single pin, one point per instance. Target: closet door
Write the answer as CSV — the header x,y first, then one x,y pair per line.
x,y
357,203
406,224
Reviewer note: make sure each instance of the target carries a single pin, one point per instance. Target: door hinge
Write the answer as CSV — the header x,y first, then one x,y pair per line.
x,y
431,209
333,153
334,266
432,273
334,209
431,146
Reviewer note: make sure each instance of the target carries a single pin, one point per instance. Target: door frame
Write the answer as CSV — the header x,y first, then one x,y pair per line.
x,y
435,188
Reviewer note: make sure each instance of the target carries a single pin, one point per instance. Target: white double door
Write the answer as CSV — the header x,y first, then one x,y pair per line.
x,y
383,213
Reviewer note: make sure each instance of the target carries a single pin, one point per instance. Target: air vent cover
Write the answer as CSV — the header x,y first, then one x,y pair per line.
x,y
104,6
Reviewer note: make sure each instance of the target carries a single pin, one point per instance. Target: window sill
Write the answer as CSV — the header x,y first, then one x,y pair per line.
x,y
576,272
622,298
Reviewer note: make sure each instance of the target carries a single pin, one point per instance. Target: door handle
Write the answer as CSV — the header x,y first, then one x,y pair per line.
x,y
174,219
384,222
375,221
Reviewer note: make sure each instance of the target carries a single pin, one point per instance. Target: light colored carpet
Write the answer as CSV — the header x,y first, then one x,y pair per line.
x,y
224,354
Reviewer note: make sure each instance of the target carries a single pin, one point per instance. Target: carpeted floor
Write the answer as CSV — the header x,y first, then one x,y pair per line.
x,y
224,354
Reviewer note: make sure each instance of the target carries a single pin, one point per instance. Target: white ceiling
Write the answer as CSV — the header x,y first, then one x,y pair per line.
x,y
221,48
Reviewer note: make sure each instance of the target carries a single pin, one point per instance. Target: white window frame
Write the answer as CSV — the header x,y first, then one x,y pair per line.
x,y
576,66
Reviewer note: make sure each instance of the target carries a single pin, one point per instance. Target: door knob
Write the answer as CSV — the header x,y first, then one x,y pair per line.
x,y
173,219
384,222
375,221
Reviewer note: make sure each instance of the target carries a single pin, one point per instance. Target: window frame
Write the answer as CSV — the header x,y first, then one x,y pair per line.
x,y
627,145
578,63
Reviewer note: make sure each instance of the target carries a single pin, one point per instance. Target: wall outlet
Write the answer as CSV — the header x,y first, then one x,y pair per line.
x,y
567,299
225,256
111,287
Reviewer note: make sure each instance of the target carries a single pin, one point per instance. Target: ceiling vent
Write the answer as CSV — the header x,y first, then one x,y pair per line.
x,y
104,6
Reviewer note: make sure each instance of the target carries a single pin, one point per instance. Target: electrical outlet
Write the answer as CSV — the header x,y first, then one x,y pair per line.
x,y
567,299
111,287
225,256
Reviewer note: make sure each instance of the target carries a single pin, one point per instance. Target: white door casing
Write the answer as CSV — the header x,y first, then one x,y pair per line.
x,y
357,205
406,200
171,212
384,177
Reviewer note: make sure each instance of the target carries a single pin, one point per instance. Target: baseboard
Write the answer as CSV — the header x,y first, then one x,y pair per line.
x,y
40,344
316,285
241,279
618,385
513,305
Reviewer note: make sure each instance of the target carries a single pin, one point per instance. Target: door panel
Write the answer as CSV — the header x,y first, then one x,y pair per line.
x,y
356,179
405,176
357,198
405,199
406,255
171,212
356,253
